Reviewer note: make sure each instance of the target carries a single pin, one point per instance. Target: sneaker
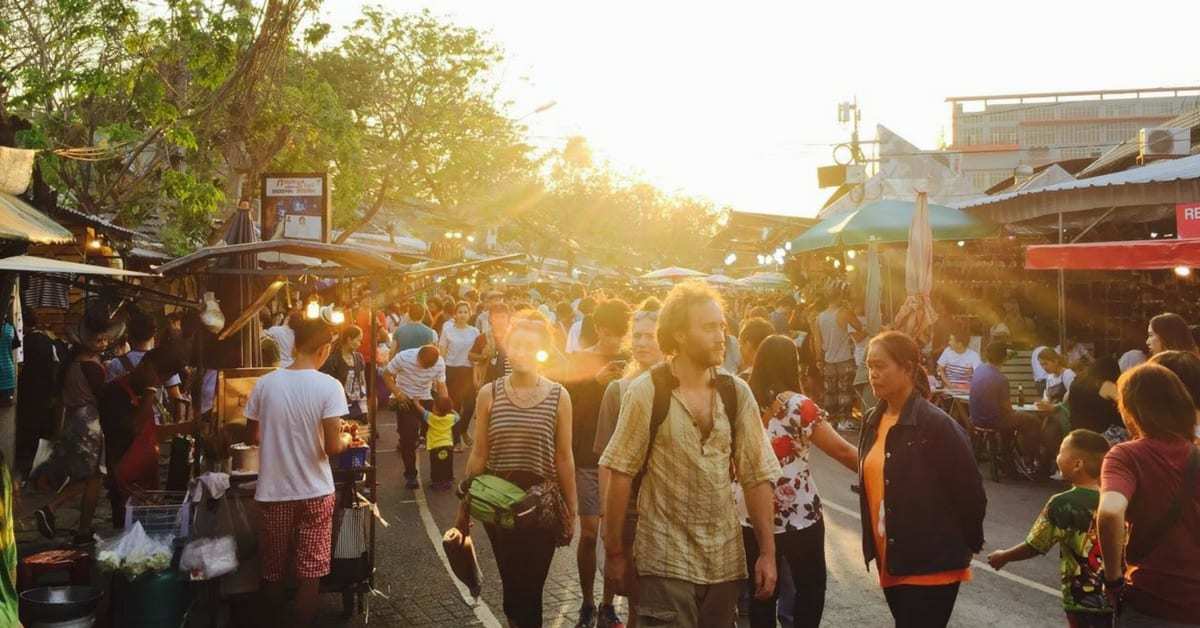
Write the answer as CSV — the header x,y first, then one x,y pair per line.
x,y
412,484
608,617
45,522
587,617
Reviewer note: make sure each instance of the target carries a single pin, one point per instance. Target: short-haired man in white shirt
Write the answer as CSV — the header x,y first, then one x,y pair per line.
x,y
295,415
411,376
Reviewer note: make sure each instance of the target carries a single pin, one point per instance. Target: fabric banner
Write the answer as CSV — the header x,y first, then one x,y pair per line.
x,y
1134,255
16,169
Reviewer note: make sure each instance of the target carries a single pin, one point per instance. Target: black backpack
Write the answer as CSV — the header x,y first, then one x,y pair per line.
x,y
665,383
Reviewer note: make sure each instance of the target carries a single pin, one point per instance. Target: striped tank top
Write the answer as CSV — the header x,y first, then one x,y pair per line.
x,y
522,439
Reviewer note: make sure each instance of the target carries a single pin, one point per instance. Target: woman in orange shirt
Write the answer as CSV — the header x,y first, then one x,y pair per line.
x,y
922,498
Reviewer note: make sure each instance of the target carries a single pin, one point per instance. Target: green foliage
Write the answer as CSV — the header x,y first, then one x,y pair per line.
x,y
192,100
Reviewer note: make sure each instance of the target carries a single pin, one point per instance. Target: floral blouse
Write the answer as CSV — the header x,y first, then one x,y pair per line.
x,y
797,505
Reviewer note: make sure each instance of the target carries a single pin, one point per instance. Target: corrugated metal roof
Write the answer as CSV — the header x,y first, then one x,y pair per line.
x,y
1157,172
96,222
1129,148
21,221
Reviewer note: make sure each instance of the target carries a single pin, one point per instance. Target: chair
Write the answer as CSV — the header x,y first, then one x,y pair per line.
x,y
989,442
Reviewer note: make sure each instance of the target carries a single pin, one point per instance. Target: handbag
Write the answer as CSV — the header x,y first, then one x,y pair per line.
x,y
545,508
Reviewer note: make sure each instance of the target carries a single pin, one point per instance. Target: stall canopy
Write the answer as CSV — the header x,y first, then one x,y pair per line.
x,y
287,251
887,222
673,273
1134,255
21,221
32,264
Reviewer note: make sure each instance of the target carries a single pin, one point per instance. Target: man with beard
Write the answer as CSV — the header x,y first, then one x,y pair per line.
x,y
689,561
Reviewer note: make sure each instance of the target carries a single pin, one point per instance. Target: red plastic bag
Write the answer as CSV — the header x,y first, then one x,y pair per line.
x,y
138,469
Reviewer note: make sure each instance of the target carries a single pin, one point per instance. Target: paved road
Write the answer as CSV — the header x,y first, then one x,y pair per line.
x,y
420,592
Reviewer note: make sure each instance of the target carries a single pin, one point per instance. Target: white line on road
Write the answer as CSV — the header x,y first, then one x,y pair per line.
x,y
982,566
483,612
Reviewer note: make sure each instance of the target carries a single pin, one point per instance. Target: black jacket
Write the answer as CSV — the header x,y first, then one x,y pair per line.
x,y
934,500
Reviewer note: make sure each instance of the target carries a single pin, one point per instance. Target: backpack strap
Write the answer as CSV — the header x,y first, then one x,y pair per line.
x,y
1171,517
665,383
727,389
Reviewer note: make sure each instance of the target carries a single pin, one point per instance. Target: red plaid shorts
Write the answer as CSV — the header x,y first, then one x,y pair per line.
x,y
302,529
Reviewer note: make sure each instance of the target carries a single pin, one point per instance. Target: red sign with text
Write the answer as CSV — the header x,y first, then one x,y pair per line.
x,y
1187,219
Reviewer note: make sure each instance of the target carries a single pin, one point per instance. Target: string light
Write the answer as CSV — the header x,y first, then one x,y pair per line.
x,y
961,243
1183,271
851,254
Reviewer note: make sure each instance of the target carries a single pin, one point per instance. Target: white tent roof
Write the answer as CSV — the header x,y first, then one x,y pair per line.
x,y
32,264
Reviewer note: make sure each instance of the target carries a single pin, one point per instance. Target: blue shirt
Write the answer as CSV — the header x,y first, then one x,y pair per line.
x,y
414,336
989,396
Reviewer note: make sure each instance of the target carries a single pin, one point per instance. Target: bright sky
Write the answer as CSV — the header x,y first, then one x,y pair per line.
x,y
737,102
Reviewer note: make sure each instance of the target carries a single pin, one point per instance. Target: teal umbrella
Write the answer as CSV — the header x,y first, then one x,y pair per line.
x,y
887,222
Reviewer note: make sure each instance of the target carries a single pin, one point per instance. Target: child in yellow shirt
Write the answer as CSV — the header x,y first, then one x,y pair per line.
x,y
439,439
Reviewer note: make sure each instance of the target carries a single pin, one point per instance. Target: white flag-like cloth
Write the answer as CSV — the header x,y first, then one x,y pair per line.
x,y
916,317
16,169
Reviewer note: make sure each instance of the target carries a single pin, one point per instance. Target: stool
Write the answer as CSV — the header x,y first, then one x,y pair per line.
x,y
76,564
991,443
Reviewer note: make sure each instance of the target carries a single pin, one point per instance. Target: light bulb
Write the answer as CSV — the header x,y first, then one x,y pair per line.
x,y
961,243
851,254
542,356
849,268
1183,271
312,311
94,244
337,317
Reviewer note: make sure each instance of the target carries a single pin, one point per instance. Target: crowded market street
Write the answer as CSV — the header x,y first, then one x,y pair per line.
x,y
437,314
421,591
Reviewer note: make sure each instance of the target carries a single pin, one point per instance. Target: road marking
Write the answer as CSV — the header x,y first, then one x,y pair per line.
x,y
984,567
482,611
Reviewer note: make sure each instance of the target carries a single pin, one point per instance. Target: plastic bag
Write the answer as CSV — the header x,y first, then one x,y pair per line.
x,y
233,515
204,559
133,552
460,553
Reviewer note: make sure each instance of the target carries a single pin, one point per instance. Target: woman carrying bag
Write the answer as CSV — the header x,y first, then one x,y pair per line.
x,y
523,436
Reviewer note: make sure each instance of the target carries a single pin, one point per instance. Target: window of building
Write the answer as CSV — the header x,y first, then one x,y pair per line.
x,y
1038,136
1004,135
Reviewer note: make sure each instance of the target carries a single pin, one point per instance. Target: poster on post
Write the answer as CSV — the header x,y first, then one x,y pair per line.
x,y
295,206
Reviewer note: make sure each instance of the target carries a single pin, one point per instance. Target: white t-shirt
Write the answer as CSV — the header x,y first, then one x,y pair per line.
x,y
415,381
285,339
456,343
959,367
1052,380
289,406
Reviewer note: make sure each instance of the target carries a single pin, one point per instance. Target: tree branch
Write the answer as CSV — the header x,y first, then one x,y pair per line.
x,y
372,211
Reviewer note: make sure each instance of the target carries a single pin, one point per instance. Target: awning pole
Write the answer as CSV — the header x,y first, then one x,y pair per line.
x,y
1062,295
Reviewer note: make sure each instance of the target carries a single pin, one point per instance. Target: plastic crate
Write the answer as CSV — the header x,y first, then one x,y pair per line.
x,y
161,513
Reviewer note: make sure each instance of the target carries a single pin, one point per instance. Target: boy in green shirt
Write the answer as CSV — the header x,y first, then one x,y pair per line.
x,y
1068,520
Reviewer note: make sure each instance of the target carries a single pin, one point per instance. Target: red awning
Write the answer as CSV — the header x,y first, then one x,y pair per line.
x,y
1134,255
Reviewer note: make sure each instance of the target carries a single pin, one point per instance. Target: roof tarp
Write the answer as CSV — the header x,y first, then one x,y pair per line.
x,y
32,264
1134,255
21,221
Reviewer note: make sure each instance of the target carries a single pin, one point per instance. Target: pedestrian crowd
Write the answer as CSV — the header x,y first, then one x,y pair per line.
x,y
677,435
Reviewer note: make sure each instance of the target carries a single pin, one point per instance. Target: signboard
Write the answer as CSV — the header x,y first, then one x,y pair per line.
x,y
295,206
1187,220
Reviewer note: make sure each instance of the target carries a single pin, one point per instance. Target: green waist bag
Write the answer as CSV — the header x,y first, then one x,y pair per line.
x,y
494,500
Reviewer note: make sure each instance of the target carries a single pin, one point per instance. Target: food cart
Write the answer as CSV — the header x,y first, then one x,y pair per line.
x,y
250,276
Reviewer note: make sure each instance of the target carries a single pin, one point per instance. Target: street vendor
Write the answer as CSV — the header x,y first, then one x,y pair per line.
x,y
295,415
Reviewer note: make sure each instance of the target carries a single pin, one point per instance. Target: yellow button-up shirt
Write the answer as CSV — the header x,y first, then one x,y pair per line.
x,y
687,525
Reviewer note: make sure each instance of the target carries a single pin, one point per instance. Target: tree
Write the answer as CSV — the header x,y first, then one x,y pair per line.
x,y
424,98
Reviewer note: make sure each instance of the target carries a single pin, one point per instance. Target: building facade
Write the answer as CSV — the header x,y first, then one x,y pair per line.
x,y
994,134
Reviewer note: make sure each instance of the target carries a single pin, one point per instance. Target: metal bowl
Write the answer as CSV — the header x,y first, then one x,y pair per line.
x,y
48,604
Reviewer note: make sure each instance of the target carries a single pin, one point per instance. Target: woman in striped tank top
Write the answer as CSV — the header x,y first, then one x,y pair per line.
x,y
523,434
